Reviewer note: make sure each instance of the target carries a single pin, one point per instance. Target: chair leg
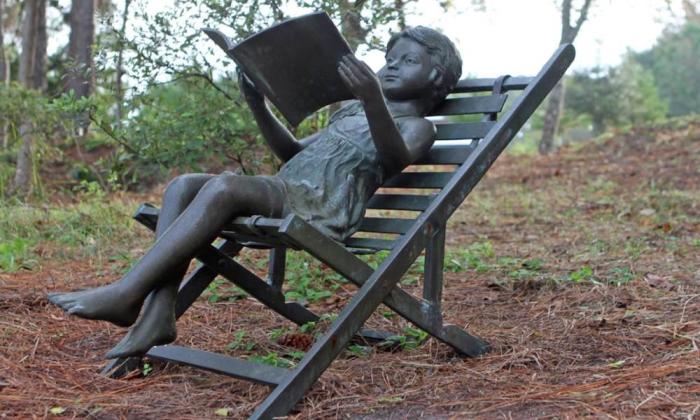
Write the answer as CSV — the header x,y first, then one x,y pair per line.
x,y
422,313
434,261
276,267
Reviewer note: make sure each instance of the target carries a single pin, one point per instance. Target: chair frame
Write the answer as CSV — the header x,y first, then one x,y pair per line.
x,y
378,286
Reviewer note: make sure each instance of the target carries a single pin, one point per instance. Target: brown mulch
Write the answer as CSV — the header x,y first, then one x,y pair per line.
x,y
560,349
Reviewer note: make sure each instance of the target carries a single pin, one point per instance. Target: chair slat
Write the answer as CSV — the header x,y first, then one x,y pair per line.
x,y
418,180
485,85
459,131
369,243
446,155
400,202
385,225
471,105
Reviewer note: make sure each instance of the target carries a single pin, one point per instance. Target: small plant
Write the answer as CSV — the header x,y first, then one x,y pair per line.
x,y
584,273
620,276
359,351
272,359
15,254
146,369
412,338
527,269
238,343
277,333
474,257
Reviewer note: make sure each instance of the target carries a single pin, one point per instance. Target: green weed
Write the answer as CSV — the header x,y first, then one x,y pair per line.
x,y
584,273
272,359
238,342
15,255
412,338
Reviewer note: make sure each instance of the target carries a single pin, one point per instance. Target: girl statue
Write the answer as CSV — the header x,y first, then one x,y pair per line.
x,y
326,179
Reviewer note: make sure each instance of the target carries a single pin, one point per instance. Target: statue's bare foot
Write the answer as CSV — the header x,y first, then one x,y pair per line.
x,y
155,328
104,303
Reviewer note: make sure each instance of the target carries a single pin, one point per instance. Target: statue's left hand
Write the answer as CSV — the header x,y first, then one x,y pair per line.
x,y
359,78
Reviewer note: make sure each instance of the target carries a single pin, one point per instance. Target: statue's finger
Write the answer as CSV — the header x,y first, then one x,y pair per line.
x,y
347,75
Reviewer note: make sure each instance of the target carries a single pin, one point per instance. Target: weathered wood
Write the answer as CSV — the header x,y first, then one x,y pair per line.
x,y
434,260
386,225
418,180
370,243
217,363
400,202
471,105
462,131
276,267
485,85
447,154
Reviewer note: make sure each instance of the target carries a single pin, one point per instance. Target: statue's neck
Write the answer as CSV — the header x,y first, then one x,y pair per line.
x,y
413,108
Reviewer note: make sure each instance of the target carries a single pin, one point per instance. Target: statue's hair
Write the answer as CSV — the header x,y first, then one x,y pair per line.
x,y
443,55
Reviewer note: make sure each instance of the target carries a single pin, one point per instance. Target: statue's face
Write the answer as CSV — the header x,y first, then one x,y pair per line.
x,y
408,72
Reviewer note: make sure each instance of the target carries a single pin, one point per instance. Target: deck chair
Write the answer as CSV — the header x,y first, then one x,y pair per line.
x,y
469,161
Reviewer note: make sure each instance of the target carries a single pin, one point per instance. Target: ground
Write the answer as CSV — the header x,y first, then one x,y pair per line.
x,y
582,269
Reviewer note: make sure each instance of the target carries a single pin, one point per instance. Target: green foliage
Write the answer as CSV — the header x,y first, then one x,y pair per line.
x,y
620,96
411,339
273,359
238,342
674,63
474,256
584,273
16,254
308,280
92,227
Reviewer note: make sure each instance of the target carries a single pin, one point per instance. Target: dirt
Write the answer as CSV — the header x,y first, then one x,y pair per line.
x,y
620,341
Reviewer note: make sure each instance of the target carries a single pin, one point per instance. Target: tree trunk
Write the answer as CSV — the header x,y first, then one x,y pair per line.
x,y
118,88
80,75
32,74
555,104
4,70
551,118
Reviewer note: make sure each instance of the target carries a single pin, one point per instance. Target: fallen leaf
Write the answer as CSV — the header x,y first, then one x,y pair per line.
x,y
223,412
57,410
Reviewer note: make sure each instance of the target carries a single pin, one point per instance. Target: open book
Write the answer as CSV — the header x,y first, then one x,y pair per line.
x,y
293,63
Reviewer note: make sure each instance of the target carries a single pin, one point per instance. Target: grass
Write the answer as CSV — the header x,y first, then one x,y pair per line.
x,y
93,227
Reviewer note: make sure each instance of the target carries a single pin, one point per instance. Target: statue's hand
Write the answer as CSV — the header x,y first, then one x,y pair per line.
x,y
250,92
360,79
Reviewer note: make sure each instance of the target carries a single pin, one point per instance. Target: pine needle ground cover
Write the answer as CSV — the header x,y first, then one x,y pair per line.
x,y
582,269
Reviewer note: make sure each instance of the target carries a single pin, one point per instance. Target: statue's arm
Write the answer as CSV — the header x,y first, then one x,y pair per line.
x,y
397,147
282,143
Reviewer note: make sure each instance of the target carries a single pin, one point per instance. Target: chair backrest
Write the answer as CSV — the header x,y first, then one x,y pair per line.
x,y
394,208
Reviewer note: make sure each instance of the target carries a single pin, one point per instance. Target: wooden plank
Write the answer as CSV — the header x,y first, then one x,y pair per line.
x,y
400,202
418,180
385,225
471,105
447,155
230,366
485,85
460,131
370,243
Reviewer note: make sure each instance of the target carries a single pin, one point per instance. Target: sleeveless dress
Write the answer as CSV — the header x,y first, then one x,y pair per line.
x,y
329,182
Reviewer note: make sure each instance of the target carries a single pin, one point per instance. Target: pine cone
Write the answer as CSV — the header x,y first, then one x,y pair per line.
x,y
298,341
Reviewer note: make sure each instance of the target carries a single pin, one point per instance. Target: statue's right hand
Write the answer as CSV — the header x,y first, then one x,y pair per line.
x,y
250,92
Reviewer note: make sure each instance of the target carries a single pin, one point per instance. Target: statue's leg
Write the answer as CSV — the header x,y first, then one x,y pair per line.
x,y
218,201
157,323
178,194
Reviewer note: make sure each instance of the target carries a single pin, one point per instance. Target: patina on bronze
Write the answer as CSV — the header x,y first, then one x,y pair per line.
x,y
326,179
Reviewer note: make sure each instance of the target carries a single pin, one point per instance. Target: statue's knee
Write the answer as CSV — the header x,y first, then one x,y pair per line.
x,y
222,186
182,186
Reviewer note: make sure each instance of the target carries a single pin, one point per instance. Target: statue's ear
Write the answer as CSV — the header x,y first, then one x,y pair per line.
x,y
436,77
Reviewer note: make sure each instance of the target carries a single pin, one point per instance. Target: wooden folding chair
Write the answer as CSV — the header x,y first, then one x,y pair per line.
x,y
469,160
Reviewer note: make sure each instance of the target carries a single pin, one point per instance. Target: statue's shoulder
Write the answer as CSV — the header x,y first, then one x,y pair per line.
x,y
349,109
